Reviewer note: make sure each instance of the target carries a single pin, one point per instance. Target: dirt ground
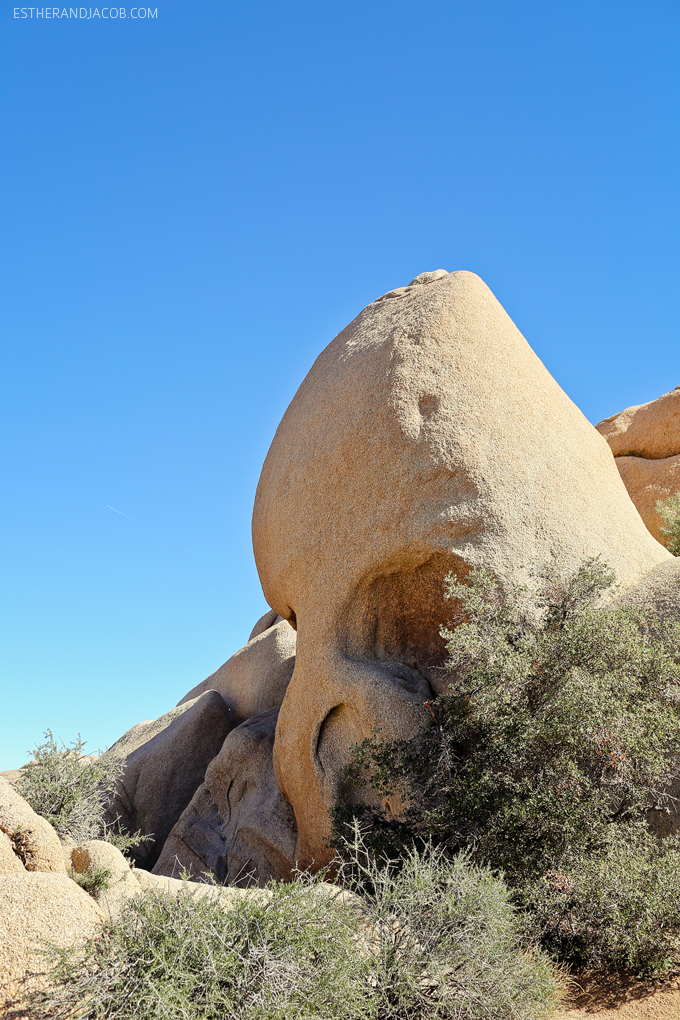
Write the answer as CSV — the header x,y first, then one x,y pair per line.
x,y
623,999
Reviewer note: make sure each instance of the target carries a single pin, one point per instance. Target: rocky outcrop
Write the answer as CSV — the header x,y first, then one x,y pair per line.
x,y
36,907
427,437
165,762
658,592
238,827
255,678
96,855
645,441
33,840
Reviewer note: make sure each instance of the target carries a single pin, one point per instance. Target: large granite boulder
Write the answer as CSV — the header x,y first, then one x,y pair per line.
x,y
645,441
427,437
32,840
38,907
237,828
165,762
255,678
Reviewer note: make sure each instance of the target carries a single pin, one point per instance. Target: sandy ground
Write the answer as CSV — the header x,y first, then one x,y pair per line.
x,y
623,999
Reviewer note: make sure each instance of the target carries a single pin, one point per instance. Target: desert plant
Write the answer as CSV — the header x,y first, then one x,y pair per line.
x,y
669,509
71,790
557,733
446,941
93,880
432,940
287,953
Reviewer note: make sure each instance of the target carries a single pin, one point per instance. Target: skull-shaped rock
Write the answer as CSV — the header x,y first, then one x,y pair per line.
x,y
427,437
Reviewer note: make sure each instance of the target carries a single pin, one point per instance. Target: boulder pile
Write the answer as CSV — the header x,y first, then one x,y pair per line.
x,y
426,438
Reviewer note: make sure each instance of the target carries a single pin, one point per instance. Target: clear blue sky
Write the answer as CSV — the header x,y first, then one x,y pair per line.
x,y
194,205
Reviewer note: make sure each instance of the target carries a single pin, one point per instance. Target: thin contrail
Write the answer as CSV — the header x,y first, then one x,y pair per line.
x,y
118,512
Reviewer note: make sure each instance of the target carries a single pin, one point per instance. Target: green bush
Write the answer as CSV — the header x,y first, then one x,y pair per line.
x,y
447,942
435,939
669,509
71,791
182,957
558,732
93,880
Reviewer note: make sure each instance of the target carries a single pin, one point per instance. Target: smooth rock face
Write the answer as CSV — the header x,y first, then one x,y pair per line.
x,y
238,827
646,443
34,907
165,762
255,678
427,437
34,840
648,481
264,623
122,885
649,430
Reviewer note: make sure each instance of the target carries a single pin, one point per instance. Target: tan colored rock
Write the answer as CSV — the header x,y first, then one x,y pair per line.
x,y
12,776
165,762
255,678
237,828
649,430
658,591
227,896
97,854
646,443
68,845
36,907
264,623
10,861
648,481
34,840
427,437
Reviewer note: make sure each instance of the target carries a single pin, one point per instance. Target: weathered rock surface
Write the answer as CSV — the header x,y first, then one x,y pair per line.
x,y
649,430
237,827
658,591
34,907
255,678
165,762
427,437
122,885
645,441
9,859
264,623
34,840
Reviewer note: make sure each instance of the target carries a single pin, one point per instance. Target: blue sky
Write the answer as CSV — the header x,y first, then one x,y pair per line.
x,y
194,205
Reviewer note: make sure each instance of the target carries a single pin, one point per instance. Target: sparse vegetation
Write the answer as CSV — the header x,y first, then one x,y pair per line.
x,y
435,939
669,509
71,789
95,879
558,732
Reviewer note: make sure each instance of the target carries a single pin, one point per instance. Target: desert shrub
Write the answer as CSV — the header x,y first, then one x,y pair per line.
x,y
432,940
93,880
557,733
669,509
71,791
169,957
447,942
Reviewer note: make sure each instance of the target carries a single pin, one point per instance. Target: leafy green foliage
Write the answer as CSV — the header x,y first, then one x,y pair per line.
x,y
433,941
71,789
669,509
558,732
